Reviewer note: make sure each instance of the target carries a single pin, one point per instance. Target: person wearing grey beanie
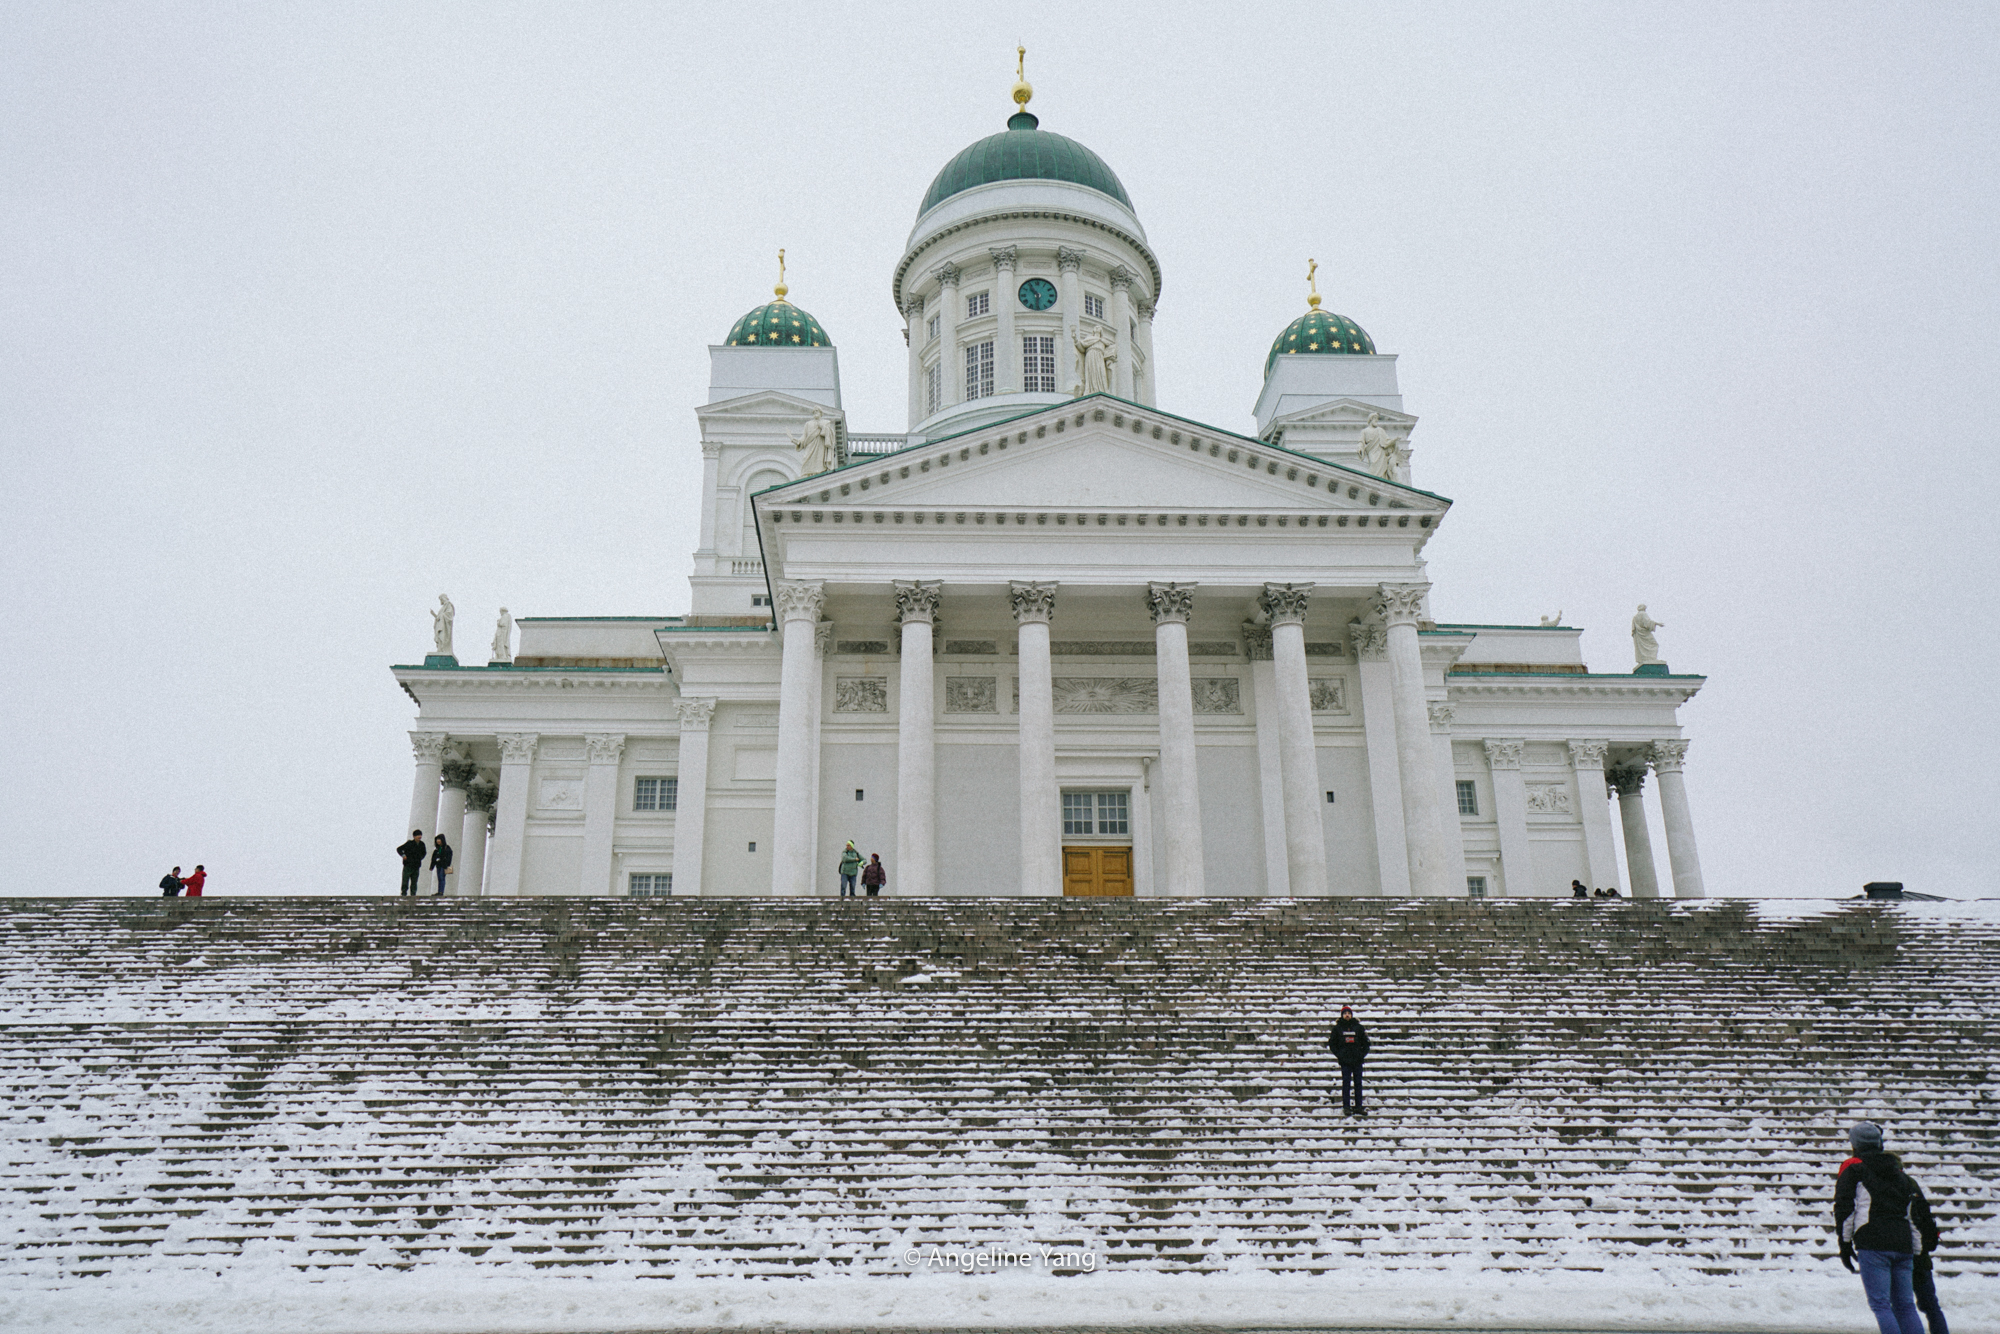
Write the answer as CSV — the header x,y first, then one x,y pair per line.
x,y
1865,1137
1884,1224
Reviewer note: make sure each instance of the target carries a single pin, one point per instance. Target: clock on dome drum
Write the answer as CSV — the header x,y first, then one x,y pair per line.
x,y
1038,294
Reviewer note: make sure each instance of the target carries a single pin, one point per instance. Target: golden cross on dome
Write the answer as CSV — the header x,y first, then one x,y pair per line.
x,y
781,289
1023,90
1312,282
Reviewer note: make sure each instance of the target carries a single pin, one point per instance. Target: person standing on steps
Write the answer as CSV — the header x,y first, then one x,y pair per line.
x,y
412,854
441,863
1884,1222
1349,1041
850,866
874,875
1577,891
170,884
194,882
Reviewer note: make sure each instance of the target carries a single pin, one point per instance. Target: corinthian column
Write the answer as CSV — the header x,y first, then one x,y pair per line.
x,y
1630,784
1041,803
1378,723
600,809
457,773
791,837
1121,316
1399,606
510,814
916,743
1171,605
951,367
1451,831
1587,759
691,793
1668,757
1006,356
1298,755
1068,264
428,748
913,336
471,860
1510,816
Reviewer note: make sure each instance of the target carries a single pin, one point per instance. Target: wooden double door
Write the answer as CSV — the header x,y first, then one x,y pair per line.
x,y
1097,872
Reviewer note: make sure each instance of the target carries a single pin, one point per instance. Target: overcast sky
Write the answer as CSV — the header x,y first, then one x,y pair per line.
x,y
310,312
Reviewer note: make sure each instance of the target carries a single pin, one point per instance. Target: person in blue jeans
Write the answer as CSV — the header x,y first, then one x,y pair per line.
x,y
1884,1223
1349,1041
850,866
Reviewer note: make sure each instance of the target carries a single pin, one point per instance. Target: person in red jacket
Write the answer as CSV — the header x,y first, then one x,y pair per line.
x,y
194,882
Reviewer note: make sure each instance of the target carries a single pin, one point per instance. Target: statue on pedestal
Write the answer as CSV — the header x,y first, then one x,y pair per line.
x,y
1096,353
1381,453
1645,644
503,638
441,627
818,444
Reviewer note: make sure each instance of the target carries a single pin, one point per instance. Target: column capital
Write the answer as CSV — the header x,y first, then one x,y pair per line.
x,y
799,600
946,274
1668,757
1504,754
605,747
1587,754
1441,715
1370,640
483,792
428,747
711,449
1285,604
1033,603
695,712
1170,602
914,308
1256,641
1121,279
917,600
1400,604
458,771
823,639
1068,260
1627,781
1004,257
1145,311
517,747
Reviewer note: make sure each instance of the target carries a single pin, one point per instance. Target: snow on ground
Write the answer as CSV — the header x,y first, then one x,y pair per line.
x,y
463,1303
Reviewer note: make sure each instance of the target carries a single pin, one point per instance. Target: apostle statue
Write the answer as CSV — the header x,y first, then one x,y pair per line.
x,y
503,638
1096,352
1556,619
441,627
1645,644
1381,453
817,443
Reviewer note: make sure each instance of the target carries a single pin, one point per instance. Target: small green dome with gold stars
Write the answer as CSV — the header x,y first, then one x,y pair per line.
x,y
1320,332
777,324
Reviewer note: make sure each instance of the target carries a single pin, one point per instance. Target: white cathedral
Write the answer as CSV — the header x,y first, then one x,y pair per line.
x,y
1050,639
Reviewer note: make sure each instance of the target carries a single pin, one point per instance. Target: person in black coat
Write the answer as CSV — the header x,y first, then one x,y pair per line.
x,y
441,862
412,854
170,884
1885,1222
1349,1041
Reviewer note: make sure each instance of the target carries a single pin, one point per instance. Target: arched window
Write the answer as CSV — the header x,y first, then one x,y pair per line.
x,y
769,477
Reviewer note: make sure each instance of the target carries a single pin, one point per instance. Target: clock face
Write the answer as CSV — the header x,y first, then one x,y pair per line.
x,y
1038,294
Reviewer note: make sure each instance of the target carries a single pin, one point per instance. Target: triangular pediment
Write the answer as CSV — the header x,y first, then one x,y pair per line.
x,y
1103,455
1345,412
765,403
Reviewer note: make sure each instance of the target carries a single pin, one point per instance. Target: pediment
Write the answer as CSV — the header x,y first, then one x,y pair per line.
x,y
765,404
1101,455
1345,412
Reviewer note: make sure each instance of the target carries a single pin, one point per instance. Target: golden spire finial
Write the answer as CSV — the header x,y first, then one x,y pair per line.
x,y
1312,283
1023,90
781,289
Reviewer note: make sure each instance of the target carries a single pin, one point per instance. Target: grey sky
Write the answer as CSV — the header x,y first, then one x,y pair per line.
x,y
313,312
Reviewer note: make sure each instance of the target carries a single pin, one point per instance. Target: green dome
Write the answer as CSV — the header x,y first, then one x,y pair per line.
x,y
1320,331
1023,152
777,324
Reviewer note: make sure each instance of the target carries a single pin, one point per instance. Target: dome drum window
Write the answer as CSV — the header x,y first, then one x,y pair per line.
x,y
976,305
1093,305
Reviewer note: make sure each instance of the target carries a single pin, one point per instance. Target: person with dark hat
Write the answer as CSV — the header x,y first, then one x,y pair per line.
x,y
1884,1222
1349,1041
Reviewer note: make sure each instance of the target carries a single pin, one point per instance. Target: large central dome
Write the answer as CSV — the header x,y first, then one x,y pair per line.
x,y
1023,152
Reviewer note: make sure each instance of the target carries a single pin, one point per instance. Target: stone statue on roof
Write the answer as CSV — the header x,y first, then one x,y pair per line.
x,y
503,638
817,442
441,627
1096,353
1381,453
1645,644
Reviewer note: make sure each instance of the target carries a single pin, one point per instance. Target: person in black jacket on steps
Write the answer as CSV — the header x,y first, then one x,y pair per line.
x,y
1885,1222
1349,1041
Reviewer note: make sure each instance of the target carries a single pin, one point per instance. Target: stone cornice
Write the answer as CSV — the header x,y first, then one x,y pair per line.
x,y
476,682
917,250
1677,689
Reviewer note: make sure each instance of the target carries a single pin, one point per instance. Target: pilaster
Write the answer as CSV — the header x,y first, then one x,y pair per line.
x,y
691,792
600,809
510,815
1370,641
1510,814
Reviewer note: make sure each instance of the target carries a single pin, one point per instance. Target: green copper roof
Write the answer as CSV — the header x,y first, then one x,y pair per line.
x,y
1023,152
1320,331
777,324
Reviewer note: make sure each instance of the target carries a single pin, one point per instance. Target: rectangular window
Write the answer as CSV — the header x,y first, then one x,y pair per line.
x,y
976,305
1038,364
1468,798
1079,813
979,371
1097,814
1093,306
933,328
655,794
1475,886
650,884
1113,813
933,387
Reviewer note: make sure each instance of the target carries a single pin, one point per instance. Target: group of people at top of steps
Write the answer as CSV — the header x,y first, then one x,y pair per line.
x,y
1577,891
413,853
871,874
1887,1235
172,886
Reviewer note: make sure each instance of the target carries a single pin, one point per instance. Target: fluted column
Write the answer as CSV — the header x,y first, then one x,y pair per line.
x,y
916,743
913,336
691,792
1453,835
428,748
1148,388
1270,757
711,473
456,773
1399,606
600,809
1668,758
791,836
1069,264
1510,815
1041,802
1630,784
1298,754
1121,317
1378,726
1007,356
510,813
1587,759
1171,605
951,366
471,860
